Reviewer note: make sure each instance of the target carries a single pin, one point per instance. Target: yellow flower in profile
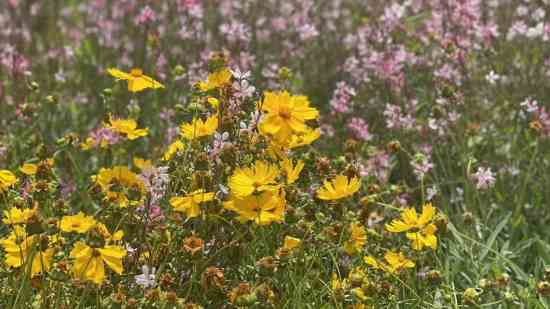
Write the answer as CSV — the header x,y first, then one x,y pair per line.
x,y
420,229
285,114
127,127
137,81
260,177
174,148
190,204
338,188
217,79
79,223
29,169
89,263
199,128
102,230
263,209
18,216
7,179
142,164
395,262
305,138
292,171
291,243
357,240
19,248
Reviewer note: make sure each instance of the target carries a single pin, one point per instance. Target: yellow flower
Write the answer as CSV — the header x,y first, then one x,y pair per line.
x,y
115,181
215,80
424,238
7,179
28,169
79,223
18,216
190,203
89,263
292,172
19,249
306,138
198,128
260,177
127,127
102,230
423,234
263,209
396,261
337,284
285,114
136,80
174,148
338,188
214,102
142,164
291,243
357,240
410,220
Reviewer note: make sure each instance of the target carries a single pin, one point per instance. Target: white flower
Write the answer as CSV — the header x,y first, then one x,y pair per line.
x,y
485,178
431,192
530,105
147,279
492,77
240,75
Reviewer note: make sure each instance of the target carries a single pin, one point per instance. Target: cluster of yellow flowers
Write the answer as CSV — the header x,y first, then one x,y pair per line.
x,y
39,247
257,188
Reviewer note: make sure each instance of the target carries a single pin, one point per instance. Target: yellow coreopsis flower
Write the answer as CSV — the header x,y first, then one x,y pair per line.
x,y
18,216
199,128
396,261
260,177
7,179
291,243
292,171
119,176
89,263
424,238
420,229
357,239
79,223
127,127
174,148
190,204
263,209
215,103
142,164
102,230
338,188
305,138
285,115
19,249
217,79
29,169
137,81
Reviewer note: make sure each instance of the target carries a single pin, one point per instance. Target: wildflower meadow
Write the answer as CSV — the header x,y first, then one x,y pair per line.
x,y
275,154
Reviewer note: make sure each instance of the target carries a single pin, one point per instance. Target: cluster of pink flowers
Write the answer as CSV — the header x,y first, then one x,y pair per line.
x,y
341,98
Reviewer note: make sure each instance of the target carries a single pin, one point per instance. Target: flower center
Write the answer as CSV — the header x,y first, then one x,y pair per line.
x,y
136,72
285,113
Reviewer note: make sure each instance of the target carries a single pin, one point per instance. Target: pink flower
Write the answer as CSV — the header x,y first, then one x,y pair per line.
x,y
146,15
485,178
359,128
341,99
